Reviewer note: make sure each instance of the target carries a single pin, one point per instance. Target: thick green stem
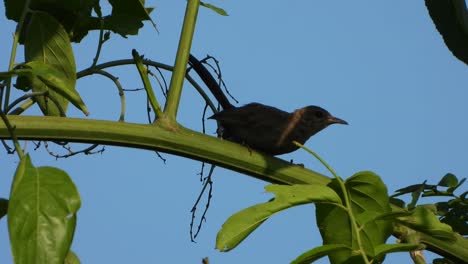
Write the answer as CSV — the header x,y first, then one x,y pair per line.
x,y
182,142
183,51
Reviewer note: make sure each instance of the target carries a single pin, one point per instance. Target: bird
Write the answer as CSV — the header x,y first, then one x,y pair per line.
x,y
262,127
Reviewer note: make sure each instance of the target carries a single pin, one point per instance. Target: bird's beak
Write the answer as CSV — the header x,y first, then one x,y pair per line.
x,y
336,120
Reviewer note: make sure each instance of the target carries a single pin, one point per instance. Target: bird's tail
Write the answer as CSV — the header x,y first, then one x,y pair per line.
x,y
210,82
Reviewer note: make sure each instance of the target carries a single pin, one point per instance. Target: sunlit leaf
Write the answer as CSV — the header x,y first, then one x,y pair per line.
x,y
425,221
41,214
47,42
218,10
383,249
241,224
317,253
56,81
72,258
449,180
369,200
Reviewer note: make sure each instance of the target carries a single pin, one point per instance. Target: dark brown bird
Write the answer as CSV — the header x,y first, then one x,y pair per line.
x,y
265,128
270,129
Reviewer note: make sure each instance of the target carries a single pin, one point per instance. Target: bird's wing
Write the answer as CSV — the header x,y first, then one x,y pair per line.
x,y
253,114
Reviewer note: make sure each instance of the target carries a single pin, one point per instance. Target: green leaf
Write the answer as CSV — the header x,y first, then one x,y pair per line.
x,y
47,42
455,214
416,194
218,10
426,221
415,188
317,253
62,10
13,9
369,202
127,16
41,214
449,180
442,261
453,188
451,20
385,216
74,15
77,19
397,202
72,258
241,224
57,82
3,207
382,250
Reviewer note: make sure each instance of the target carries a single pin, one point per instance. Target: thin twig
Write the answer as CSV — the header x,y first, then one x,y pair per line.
x,y
24,97
218,73
101,39
9,149
119,87
11,130
207,183
86,151
166,67
163,85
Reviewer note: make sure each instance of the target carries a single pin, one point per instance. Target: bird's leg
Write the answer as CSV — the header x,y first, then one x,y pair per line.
x,y
299,164
247,146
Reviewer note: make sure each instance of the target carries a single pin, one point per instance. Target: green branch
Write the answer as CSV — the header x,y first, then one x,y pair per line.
x,y
182,142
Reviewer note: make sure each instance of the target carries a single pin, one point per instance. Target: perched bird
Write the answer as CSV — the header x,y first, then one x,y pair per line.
x,y
271,130
261,127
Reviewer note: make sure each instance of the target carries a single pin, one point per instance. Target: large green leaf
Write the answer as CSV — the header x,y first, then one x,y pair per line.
x,y
47,42
241,224
41,214
370,203
451,20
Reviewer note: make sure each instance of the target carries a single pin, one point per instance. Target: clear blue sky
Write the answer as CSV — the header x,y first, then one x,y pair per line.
x,y
380,65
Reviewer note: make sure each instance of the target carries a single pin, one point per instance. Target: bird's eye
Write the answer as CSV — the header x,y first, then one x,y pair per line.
x,y
319,114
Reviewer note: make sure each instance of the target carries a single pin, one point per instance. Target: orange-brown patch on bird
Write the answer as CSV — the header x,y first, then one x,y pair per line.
x,y
291,125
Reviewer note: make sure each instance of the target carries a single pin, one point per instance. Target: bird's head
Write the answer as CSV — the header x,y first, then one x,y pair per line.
x,y
316,118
